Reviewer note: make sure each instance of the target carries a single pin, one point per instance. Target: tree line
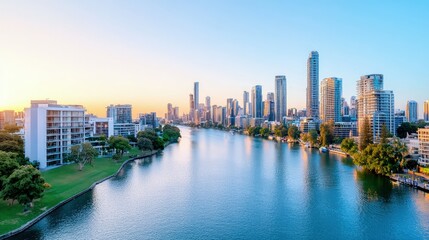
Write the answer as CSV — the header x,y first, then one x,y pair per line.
x,y
384,158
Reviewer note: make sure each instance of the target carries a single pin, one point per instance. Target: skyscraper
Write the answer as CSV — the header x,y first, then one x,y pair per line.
x,y
426,111
196,95
280,98
330,99
257,101
245,102
208,109
313,85
375,104
411,111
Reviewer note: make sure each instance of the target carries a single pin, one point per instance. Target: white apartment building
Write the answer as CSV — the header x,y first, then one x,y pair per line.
x,y
375,104
51,129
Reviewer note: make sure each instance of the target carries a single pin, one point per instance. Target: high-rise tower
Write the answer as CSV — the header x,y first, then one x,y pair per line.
x,y
330,99
280,98
411,111
313,85
257,101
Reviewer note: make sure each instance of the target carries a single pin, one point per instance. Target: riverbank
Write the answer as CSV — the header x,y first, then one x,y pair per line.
x,y
67,184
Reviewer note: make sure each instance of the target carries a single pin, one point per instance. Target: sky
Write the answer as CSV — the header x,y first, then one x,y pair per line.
x,y
149,53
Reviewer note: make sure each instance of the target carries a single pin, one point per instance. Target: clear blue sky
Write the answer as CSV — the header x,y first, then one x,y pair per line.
x,y
149,53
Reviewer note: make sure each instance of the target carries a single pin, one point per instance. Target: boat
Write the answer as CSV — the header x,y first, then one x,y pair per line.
x,y
323,150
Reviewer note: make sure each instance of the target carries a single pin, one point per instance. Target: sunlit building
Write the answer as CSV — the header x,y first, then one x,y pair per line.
x,y
51,129
375,104
313,85
330,99
411,111
280,98
424,146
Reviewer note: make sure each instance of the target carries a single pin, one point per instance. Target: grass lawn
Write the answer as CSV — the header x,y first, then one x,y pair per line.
x,y
66,181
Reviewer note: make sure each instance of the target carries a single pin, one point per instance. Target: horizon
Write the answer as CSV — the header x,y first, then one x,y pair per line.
x,y
135,53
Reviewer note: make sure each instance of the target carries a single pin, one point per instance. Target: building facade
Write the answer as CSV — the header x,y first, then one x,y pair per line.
x,y
257,101
280,98
51,130
330,99
424,146
313,85
411,111
426,111
375,104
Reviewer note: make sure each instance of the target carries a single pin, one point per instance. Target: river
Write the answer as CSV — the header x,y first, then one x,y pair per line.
x,y
214,185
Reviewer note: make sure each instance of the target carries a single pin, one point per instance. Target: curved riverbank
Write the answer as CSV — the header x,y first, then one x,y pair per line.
x,y
68,199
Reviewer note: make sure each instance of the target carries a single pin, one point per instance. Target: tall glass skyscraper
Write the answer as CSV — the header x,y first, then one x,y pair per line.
x,y
257,101
245,102
330,99
411,111
280,98
313,85
196,95
426,111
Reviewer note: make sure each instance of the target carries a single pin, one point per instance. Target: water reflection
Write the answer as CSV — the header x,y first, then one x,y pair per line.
x,y
374,187
214,185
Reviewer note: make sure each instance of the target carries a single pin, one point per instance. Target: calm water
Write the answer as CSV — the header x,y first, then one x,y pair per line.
x,y
214,185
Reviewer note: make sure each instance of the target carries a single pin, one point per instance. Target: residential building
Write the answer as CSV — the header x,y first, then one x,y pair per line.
x,y
308,124
121,113
280,98
411,111
424,146
330,99
345,129
375,104
399,118
51,130
313,85
353,108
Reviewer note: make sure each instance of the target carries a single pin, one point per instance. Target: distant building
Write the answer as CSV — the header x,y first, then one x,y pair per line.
x,y
424,146
353,108
313,85
7,117
257,101
280,97
308,124
399,118
120,113
245,103
375,104
196,95
330,99
51,130
345,129
292,113
426,111
411,111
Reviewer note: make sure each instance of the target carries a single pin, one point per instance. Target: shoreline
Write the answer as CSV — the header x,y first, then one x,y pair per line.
x,y
63,202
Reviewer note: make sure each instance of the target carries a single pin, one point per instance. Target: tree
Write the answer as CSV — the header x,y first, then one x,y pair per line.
x,y
265,132
348,145
385,134
171,133
281,131
25,184
405,128
365,135
293,132
9,128
158,144
327,133
144,144
312,137
120,144
257,131
7,165
82,154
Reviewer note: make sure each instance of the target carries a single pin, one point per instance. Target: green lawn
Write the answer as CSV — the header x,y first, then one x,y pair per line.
x,y
66,181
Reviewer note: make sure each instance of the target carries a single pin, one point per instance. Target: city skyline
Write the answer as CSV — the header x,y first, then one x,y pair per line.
x,y
118,53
